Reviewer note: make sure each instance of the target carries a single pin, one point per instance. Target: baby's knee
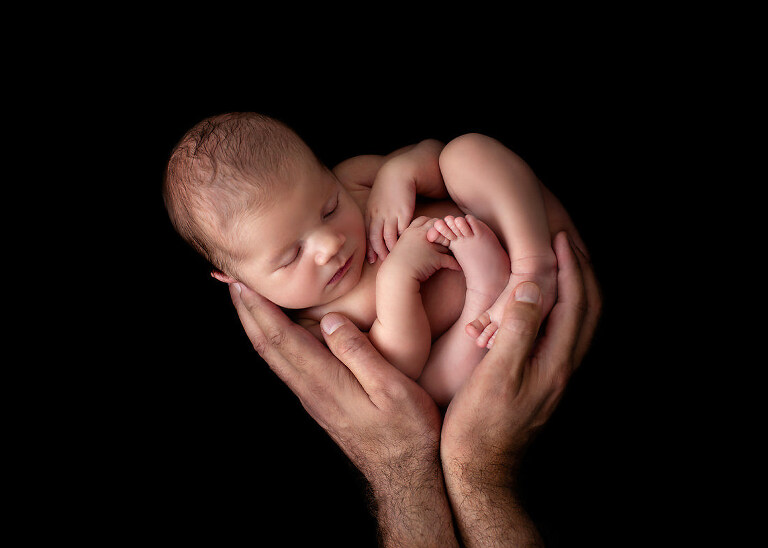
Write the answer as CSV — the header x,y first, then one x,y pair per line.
x,y
466,152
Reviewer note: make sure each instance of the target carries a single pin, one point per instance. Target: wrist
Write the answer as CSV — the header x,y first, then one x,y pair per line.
x,y
411,506
406,464
486,508
398,170
397,275
494,478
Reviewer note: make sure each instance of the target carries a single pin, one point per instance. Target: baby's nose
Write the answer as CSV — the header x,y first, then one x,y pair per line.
x,y
328,248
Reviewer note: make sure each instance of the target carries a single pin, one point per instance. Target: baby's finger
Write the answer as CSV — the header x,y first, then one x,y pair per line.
x,y
402,224
390,233
422,221
375,238
449,262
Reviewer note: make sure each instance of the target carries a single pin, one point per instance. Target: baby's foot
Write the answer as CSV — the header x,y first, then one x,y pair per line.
x,y
482,259
540,270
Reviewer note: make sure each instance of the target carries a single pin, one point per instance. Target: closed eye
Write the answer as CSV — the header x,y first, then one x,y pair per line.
x,y
335,207
293,259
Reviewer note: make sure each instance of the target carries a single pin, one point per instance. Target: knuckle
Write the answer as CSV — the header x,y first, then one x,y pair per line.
x,y
390,396
317,389
581,305
521,326
350,346
260,345
396,391
276,337
559,380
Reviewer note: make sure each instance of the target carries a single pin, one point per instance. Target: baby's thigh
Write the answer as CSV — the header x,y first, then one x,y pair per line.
x,y
473,167
487,180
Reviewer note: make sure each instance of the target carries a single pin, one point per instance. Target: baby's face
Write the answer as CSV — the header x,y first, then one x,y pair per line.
x,y
308,247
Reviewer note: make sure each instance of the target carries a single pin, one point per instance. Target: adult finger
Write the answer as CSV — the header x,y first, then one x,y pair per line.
x,y
268,352
594,306
250,326
559,219
290,350
565,320
355,350
515,337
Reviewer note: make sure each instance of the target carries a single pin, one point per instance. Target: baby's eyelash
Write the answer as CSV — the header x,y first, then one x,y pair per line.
x,y
335,207
289,263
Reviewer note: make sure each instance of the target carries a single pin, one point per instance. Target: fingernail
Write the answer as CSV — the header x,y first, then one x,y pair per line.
x,y
330,323
528,292
237,287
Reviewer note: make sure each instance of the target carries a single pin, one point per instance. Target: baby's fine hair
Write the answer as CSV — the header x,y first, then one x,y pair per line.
x,y
223,167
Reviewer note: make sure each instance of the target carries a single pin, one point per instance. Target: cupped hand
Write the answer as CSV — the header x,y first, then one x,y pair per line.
x,y
384,422
516,387
376,414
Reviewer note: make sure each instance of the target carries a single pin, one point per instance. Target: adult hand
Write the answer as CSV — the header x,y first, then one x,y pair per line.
x,y
382,420
510,395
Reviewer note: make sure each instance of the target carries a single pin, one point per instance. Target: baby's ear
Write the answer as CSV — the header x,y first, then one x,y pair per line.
x,y
219,275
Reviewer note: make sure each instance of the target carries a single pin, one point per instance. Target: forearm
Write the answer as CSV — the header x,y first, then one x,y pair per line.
x,y
411,506
487,511
401,331
418,168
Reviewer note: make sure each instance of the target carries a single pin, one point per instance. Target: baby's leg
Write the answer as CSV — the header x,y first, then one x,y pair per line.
x,y
495,185
486,268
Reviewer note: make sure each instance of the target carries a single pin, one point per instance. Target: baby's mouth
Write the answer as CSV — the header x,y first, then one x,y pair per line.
x,y
340,272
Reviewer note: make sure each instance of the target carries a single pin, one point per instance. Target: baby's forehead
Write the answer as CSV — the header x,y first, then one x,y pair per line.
x,y
288,194
277,218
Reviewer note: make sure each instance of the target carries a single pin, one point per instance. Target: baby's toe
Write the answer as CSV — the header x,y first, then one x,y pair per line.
x,y
463,227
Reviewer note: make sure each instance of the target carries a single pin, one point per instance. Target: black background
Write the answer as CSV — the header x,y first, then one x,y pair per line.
x,y
208,445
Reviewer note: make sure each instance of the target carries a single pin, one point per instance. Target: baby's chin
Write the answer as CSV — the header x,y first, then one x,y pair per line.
x,y
299,305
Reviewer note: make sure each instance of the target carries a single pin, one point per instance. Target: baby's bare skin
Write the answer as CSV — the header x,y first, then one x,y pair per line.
x,y
486,268
442,294
354,239
482,259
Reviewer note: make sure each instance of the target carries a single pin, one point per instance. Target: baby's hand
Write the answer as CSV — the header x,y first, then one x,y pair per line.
x,y
417,257
387,214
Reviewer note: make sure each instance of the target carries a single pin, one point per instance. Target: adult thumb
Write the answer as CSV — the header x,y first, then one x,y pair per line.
x,y
520,323
353,349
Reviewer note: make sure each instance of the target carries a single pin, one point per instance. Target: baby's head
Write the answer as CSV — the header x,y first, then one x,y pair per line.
x,y
250,196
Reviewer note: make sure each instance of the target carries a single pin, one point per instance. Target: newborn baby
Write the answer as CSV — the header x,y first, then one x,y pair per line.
x,y
404,245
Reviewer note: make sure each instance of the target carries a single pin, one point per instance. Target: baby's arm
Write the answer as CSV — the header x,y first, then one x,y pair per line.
x,y
392,200
360,172
401,331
